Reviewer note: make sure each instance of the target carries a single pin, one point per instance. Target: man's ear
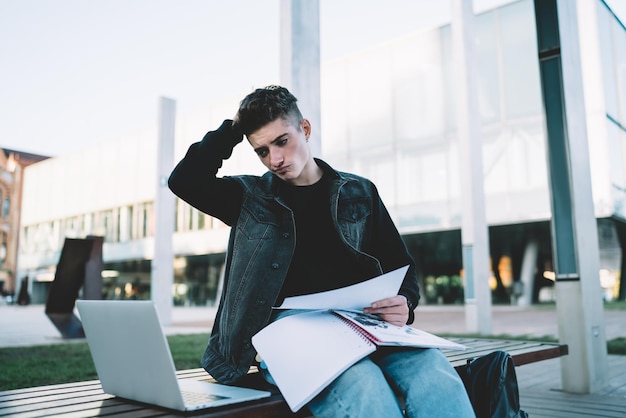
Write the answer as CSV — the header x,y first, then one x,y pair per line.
x,y
306,127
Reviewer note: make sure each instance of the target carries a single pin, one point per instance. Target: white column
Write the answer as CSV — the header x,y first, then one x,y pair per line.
x,y
579,302
163,260
474,233
300,60
527,273
595,105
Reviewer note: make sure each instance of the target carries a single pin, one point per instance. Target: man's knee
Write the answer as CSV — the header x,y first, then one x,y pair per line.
x,y
362,376
361,390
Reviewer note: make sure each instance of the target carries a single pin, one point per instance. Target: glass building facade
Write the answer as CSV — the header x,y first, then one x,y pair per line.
x,y
388,113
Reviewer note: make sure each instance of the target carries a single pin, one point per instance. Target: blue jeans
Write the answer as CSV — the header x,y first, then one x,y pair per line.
x,y
423,378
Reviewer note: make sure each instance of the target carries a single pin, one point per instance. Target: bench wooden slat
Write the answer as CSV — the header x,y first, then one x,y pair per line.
x,y
49,397
523,352
119,408
86,399
90,406
37,389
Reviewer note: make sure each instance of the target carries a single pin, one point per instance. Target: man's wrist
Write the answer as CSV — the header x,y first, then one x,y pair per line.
x,y
411,312
411,307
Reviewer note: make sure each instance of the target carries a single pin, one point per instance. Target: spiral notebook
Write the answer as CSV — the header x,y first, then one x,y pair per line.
x,y
385,334
305,352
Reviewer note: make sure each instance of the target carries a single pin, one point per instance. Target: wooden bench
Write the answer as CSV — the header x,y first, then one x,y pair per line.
x,y
86,399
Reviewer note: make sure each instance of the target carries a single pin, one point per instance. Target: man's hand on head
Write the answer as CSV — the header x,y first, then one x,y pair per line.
x,y
235,125
394,310
235,122
230,131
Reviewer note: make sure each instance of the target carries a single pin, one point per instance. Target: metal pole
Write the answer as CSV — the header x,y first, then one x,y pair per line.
x,y
474,232
300,60
574,228
163,259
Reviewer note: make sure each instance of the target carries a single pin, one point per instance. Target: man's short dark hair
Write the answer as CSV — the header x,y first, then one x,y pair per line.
x,y
265,105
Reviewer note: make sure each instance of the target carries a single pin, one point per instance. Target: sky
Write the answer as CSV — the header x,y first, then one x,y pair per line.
x,y
74,73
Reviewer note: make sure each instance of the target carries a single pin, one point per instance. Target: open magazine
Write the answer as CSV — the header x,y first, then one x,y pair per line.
x,y
383,333
306,351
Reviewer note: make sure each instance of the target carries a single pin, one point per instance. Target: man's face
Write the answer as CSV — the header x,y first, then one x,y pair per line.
x,y
283,149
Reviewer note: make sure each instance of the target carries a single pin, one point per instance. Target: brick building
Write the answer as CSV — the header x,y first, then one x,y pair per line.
x,y
12,164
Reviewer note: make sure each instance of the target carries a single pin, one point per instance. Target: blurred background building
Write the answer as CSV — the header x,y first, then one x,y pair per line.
x,y
387,114
12,165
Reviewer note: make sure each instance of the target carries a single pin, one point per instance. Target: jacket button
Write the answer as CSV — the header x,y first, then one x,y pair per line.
x,y
285,235
275,266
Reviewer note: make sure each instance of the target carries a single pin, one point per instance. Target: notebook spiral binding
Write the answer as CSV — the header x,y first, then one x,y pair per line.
x,y
371,340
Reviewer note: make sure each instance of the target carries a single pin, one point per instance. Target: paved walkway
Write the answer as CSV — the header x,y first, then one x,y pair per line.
x,y
29,325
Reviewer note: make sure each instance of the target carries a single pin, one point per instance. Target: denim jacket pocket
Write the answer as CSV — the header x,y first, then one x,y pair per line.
x,y
354,210
353,215
256,225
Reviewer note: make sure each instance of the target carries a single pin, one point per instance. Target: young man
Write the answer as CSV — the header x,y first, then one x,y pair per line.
x,y
303,228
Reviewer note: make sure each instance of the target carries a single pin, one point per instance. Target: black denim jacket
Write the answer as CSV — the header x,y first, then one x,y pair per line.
x,y
262,242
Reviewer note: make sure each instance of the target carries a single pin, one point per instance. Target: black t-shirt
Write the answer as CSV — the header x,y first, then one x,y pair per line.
x,y
321,260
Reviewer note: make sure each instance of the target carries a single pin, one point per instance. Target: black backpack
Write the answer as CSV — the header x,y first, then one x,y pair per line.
x,y
491,384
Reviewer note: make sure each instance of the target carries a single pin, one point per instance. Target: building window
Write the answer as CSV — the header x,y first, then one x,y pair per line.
x,y
3,249
118,226
129,221
201,221
144,222
109,226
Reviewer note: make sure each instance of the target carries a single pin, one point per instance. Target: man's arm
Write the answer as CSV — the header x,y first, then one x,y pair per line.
x,y
195,179
390,249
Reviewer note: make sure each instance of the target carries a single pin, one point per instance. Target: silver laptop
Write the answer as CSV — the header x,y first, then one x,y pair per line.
x,y
133,359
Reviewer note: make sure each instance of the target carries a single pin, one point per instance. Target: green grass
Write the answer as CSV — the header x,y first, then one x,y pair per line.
x,y
24,367
618,305
617,346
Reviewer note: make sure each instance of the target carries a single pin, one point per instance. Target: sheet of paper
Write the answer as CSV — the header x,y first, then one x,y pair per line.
x,y
356,296
307,351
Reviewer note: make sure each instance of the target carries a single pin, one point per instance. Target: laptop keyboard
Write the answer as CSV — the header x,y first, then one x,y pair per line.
x,y
195,398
